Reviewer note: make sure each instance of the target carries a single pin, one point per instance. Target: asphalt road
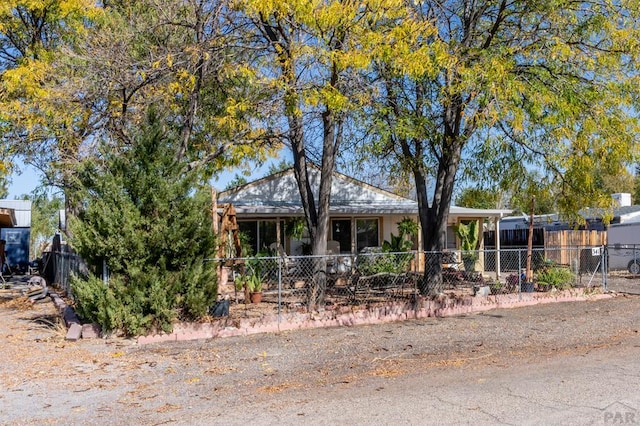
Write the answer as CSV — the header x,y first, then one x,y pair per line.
x,y
565,363
590,388
599,387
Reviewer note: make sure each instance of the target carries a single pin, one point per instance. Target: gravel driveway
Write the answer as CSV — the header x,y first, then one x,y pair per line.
x,y
47,380
623,282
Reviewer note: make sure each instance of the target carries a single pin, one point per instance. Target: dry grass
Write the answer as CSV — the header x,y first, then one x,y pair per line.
x,y
167,408
17,303
52,323
387,372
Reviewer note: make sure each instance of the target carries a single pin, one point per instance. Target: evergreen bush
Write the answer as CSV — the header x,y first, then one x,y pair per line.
x,y
144,215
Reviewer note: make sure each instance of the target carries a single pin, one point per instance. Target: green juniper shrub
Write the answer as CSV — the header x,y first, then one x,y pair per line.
x,y
146,217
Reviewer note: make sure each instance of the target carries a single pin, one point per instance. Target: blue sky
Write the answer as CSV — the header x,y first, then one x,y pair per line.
x,y
23,183
29,178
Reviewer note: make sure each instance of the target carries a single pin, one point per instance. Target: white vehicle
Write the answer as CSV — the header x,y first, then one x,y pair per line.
x,y
623,242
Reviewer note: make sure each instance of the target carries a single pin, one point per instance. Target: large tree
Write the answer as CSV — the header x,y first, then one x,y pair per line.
x,y
314,56
147,218
32,36
479,198
186,57
182,56
549,85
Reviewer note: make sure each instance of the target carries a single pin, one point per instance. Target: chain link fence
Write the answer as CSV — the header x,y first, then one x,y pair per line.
x,y
294,281
550,268
376,277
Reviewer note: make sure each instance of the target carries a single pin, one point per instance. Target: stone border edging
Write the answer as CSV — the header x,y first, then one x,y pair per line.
x,y
75,328
348,316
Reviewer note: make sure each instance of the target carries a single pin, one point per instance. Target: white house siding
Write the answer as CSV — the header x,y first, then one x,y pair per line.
x,y
276,197
282,190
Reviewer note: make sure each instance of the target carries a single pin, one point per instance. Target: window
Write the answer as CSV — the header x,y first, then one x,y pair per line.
x,y
451,238
250,231
367,231
267,234
367,234
260,234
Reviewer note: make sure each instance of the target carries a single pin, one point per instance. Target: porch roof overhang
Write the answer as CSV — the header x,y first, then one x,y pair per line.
x,y
350,209
409,208
7,218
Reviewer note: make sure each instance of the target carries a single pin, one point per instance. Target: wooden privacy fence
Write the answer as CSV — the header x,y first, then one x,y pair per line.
x,y
557,242
567,238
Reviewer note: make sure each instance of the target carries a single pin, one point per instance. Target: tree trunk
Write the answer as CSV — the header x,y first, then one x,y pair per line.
x,y
317,217
332,137
433,219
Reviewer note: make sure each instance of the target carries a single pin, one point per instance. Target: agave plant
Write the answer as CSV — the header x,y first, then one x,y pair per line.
x,y
468,235
407,229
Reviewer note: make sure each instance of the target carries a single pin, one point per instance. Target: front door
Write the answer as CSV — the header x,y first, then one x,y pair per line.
x,y
341,232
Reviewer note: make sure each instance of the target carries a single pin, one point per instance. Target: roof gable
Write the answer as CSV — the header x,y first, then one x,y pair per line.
x,y
282,189
278,195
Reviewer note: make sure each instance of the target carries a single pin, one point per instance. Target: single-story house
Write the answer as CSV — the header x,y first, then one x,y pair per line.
x,y
362,215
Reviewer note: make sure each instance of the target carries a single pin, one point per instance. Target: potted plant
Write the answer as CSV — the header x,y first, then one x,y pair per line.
x,y
512,282
295,228
496,287
254,284
251,280
468,235
527,287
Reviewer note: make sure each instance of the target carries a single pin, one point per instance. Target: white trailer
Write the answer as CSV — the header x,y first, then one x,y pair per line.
x,y
623,242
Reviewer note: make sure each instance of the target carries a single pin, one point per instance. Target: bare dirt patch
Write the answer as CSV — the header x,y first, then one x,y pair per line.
x,y
115,381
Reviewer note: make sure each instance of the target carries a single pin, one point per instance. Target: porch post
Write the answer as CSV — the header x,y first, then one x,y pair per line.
x,y
354,237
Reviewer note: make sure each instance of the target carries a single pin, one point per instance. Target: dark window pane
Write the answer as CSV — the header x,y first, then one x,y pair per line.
x,y
267,234
341,232
367,230
250,230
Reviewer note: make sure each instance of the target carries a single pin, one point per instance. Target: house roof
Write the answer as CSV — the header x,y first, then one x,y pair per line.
x,y
620,214
278,195
624,214
456,211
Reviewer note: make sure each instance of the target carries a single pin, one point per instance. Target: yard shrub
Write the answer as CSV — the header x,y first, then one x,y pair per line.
x,y
556,277
374,260
145,216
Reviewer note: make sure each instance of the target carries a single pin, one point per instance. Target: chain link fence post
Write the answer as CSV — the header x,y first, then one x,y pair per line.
x,y
605,267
